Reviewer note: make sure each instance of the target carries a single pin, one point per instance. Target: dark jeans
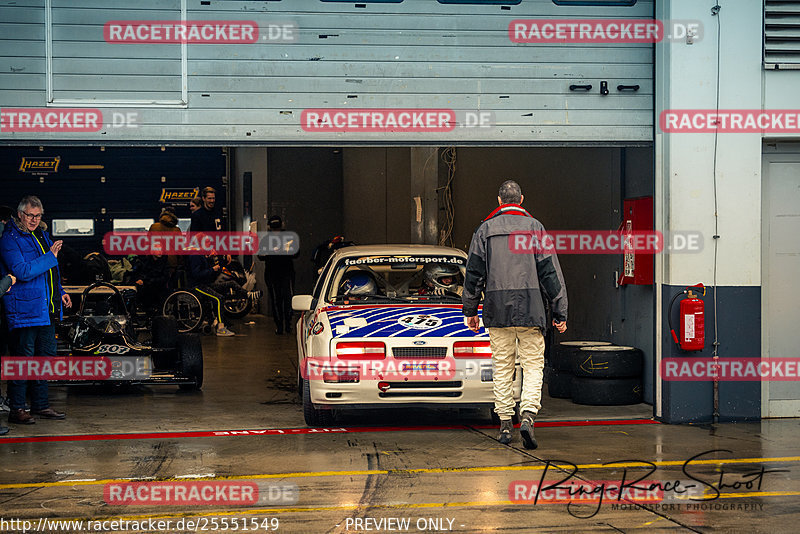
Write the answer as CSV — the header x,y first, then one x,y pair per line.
x,y
32,341
280,293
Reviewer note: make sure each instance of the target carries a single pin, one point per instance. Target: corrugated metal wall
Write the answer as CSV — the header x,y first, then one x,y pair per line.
x,y
412,54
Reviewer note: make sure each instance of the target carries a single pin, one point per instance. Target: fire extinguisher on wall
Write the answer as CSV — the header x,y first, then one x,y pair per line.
x,y
692,319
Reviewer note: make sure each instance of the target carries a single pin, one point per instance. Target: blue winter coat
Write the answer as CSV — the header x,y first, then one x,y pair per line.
x,y
27,303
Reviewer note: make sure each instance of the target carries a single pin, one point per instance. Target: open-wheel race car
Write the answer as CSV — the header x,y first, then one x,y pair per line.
x,y
102,328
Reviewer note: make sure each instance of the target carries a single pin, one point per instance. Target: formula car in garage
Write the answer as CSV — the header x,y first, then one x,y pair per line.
x,y
102,328
384,328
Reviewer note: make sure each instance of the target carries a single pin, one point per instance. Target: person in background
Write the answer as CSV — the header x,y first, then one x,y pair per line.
x,y
513,308
279,278
151,277
34,305
203,272
195,204
325,250
208,218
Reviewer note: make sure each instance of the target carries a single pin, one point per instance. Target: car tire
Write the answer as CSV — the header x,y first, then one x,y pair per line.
x,y
563,353
190,360
165,332
559,384
608,361
314,417
606,391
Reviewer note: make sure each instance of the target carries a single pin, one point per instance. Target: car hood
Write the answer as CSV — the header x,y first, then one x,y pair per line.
x,y
385,321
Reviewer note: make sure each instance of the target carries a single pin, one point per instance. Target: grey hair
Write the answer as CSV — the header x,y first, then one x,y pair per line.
x,y
32,201
510,192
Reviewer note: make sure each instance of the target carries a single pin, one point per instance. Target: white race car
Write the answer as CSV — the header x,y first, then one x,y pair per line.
x,y
384,328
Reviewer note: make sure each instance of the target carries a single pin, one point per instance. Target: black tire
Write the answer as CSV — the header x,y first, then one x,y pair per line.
x,y
313,416
187,310
234,308
559,384
608,361
190,360
563,353
299,383
165,332
606,391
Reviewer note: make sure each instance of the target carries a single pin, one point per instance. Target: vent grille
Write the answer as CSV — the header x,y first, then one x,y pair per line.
x,y
419,352
782,34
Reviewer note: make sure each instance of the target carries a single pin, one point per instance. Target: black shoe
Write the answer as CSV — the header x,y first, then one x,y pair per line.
x,y
49,413
526,430
279,331
3,430
506,428
20,417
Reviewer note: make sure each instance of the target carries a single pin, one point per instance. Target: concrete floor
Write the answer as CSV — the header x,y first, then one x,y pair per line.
x,y
441,470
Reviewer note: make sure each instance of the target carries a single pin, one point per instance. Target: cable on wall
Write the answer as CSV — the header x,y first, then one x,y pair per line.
x,y
446,232
715,13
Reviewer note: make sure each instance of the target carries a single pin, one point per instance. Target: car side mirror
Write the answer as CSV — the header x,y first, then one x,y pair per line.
x,y
302,302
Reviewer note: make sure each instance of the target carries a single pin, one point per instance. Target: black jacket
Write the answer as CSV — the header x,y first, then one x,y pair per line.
x,y
511,283
204,220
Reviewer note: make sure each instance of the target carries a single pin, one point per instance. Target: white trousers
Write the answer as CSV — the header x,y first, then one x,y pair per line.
x,y
506,343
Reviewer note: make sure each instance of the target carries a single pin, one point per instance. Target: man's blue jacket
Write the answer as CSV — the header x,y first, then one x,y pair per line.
x,y
28,258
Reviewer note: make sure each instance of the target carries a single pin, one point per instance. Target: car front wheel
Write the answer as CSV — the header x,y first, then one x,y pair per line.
x,y
313,416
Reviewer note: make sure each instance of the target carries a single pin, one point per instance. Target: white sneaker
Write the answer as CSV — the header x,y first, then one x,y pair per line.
x,y
4,407
222,331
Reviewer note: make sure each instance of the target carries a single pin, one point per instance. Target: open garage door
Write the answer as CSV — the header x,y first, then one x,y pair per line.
x,y
311,72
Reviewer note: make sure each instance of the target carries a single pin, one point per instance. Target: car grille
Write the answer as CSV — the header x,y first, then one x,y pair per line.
x,y
419,352
417,388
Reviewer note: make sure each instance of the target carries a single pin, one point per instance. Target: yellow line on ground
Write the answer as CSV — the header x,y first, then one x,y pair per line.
x,y
421,470
397,506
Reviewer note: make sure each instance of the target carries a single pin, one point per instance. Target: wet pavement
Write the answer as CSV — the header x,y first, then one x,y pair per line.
x,y
240,449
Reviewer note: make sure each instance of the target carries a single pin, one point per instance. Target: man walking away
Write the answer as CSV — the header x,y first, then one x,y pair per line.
x,y
279,278
34,304
513,308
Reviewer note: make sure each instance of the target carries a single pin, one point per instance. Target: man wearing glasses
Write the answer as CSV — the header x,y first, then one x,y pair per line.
x,y
33,304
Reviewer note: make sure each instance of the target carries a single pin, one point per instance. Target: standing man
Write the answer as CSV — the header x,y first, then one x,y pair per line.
x,y
513,309
279,278
208,218
34,303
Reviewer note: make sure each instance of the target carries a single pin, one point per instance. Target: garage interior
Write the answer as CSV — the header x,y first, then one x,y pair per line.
x,y
367,195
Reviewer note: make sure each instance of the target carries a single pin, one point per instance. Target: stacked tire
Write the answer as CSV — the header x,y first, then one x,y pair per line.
x,y
607,375
559,373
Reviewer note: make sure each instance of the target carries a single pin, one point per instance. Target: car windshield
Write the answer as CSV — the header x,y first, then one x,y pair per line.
x,y
392,278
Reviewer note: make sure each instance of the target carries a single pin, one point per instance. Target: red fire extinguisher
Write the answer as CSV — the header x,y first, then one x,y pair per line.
x,y
692,319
